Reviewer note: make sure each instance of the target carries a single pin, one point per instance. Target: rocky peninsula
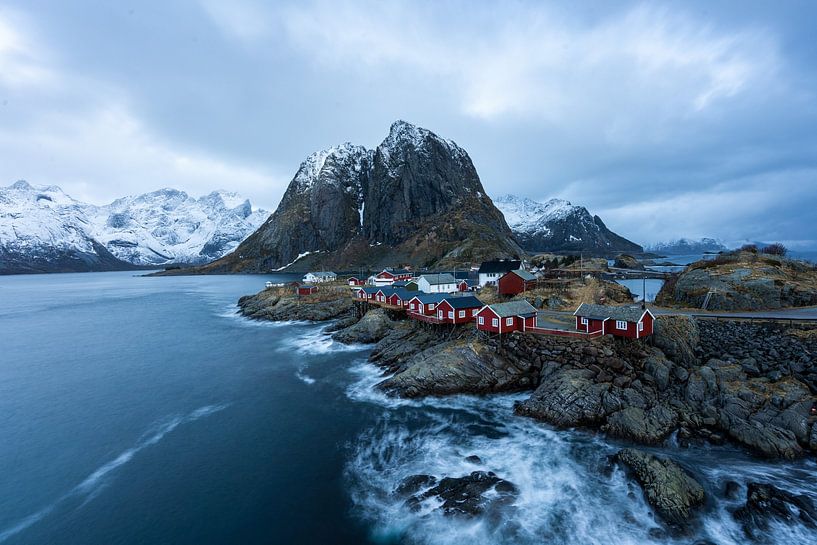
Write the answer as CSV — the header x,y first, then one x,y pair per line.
x,y
695,381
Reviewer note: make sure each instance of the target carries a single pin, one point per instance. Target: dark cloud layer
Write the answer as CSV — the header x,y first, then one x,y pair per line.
x,y
676,119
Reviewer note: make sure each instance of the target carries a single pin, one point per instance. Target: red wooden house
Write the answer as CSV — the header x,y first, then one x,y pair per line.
x,y
467,285
515,282
355,281
366,294
506,317
307,289
425,303
400,297
632,322
387,276
459,309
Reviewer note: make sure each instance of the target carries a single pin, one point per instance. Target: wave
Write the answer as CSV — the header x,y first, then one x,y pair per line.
x,y
318,342
569,491
231,311
89,487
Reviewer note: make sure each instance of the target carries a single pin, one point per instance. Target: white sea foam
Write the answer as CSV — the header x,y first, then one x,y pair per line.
x,y
569,492
304,377
89,487
316,341
231,312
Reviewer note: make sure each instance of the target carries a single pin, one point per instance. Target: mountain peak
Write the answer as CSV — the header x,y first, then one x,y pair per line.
x,y
313,165
21,185
556,225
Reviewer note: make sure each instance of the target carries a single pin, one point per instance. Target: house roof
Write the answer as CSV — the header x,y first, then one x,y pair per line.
x,y
394,272
440,278
463,301
403,294
427,298
513,308
399,283
605,312
370,290
524,275
499,266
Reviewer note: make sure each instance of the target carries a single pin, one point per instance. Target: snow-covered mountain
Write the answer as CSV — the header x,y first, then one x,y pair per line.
x,y
44,230
558,225
685,246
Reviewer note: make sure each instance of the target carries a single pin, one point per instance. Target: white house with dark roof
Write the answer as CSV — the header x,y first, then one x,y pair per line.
x,y
437,283
491,271
318,277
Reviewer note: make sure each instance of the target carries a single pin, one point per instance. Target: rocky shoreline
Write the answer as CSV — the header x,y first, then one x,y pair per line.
x,y
698,381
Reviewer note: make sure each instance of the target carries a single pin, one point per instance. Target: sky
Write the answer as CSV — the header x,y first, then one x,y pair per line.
x,y
673,119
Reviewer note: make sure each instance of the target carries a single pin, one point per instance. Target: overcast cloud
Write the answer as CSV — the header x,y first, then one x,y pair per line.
x,y
667,120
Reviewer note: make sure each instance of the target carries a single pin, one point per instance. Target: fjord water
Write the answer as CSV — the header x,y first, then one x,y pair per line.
x,y
143,410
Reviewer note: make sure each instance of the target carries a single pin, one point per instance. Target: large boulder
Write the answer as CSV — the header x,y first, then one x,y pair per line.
x,y
648,427
456,367
677,337
568,398
374,326
668,489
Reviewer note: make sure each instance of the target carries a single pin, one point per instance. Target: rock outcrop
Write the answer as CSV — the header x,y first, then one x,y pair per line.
x,y
672,492
469,495
766,503
742,281
416,199
281,304
374,325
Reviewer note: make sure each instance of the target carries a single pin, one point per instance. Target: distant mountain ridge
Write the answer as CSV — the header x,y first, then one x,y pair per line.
x,y
559,226
42,229
415,199
685,246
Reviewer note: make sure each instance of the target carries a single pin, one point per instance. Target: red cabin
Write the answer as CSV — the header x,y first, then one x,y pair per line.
x,y
515,282
632,322
366,294
307,289
400,298
425,303
459,310
355,281
506,317
388,276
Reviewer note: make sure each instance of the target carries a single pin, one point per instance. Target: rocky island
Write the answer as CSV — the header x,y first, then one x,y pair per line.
x,y
697,381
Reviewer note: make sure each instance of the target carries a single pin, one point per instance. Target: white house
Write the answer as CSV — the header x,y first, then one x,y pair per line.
x,y
437,283
491,271
317,277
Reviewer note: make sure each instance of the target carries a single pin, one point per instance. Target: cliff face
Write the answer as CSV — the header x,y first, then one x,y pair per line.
x,y
416,199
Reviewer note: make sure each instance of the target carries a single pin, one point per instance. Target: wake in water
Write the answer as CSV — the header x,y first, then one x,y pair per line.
x,y
86,490
568,491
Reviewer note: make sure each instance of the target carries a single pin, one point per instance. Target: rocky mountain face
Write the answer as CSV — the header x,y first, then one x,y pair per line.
x,y
559,226
686,246
415,199
44,230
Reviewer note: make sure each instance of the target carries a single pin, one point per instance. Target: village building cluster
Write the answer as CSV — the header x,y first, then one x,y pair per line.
x,y
449,298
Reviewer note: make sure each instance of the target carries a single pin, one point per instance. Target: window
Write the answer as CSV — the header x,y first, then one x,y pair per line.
x,y
495,322
474,312
450,314
641,326
481,320
508,321
584,321
621,324
462,314
431,306
440,314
